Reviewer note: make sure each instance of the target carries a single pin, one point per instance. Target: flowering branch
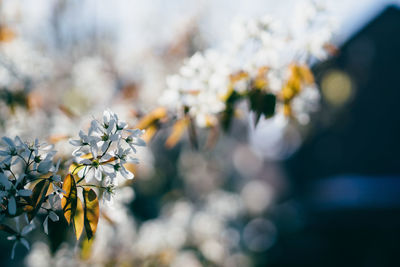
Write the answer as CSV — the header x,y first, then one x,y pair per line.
x,y
30,183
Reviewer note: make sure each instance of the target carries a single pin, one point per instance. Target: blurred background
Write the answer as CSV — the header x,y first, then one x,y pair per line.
x,y
325,194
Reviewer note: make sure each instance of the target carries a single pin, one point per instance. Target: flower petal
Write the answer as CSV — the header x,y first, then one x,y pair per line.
x,y
12,206
46,225
24,192
53,216
25,243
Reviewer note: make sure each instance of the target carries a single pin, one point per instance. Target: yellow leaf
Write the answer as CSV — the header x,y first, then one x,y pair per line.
x,y
262,71
150,132
177,132
287,110
260,83
238,76
151,118
55,138
86,250
306,74
78,219
75,168
6,34
69,201
91,211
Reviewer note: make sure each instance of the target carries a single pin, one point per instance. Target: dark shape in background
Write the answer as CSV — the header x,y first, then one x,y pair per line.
x,y
346,176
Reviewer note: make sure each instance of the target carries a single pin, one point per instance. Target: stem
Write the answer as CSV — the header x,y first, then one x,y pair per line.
x,y
13,174
39,178
109,144
83,177
93,185
76,168
28,163
22,159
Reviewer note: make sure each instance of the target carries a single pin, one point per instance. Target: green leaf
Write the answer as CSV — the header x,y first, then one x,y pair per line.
x,y
92,211
229,112
262,103
38,195
268,107
69,201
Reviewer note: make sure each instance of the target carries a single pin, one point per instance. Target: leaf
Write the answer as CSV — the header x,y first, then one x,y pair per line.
x,y
78,219
151,118
38,195
75,168
212,137
86,251
268,107
55,138
306,74
177,132
193,134
69,201
150,132
6,34
262,103
229,112
91,212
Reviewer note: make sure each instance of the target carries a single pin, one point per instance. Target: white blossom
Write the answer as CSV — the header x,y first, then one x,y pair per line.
x,y
19,237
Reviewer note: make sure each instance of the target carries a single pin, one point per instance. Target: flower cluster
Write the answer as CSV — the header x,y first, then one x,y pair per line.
x,y
30,183
200,87
266,62
20,165
23,165
105,150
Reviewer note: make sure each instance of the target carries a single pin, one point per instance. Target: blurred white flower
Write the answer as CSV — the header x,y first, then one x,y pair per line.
x,y
19,237
10,191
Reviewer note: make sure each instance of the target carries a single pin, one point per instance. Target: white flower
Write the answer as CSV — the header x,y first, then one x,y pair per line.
x,y
200,87
53,216
134,139
85,141
42,156
12,149
19,237
94,168
55,180
10,192
108,194
103,138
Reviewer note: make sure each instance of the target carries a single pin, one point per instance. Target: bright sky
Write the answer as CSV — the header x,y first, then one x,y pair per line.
x,y
140,22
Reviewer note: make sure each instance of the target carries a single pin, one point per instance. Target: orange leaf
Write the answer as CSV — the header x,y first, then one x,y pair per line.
x,y
151,118
69,201
6,34
150,132
177,132
306,74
